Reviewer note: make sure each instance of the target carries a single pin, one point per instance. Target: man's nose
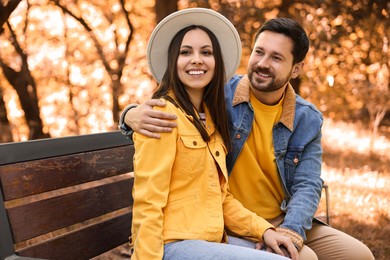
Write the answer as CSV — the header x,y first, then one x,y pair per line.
x,y
263,63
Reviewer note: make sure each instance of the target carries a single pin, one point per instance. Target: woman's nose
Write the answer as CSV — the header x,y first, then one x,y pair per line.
x,y
196,59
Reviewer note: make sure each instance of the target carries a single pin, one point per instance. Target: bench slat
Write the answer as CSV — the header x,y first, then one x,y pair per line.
x,y
45,216
27,178
65,198
101,238
52,147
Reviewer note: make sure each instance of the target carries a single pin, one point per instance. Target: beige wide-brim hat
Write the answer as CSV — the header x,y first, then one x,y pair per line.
x,y
162,35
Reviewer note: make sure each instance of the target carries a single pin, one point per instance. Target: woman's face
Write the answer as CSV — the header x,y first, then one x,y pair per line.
x,y
196,63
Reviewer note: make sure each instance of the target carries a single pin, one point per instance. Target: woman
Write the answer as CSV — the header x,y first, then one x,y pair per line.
x,y
181,198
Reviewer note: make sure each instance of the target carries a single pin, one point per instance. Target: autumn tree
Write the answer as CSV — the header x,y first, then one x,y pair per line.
x,y
87,58
113,60
23,82
6,8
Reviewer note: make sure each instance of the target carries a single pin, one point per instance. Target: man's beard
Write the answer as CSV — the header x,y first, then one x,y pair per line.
x,y
271,86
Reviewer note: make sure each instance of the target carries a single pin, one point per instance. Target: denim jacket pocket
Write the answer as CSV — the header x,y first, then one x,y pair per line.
x,y
292,159
191,155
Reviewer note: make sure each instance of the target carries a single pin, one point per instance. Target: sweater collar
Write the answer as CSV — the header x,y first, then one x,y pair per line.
x,y
242,94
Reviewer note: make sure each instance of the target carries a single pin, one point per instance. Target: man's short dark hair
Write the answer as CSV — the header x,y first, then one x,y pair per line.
x,y
291,29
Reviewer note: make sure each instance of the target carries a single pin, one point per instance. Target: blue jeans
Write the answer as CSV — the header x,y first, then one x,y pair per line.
x,y
200,249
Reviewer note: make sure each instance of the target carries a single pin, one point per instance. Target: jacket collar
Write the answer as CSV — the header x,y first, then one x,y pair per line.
x,y
210,128
209,122
242,94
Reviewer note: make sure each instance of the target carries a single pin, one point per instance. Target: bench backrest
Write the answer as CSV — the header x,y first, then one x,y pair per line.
x,y
65,198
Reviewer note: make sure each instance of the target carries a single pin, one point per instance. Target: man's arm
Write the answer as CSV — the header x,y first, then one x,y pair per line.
x,y
144,120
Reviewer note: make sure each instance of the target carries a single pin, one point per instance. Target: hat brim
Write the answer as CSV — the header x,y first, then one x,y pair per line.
x,y
223,29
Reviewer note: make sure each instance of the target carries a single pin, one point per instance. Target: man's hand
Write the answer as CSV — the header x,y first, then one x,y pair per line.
x,y
144,120
279,244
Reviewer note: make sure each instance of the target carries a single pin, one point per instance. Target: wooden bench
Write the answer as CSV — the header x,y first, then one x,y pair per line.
x,y
65,198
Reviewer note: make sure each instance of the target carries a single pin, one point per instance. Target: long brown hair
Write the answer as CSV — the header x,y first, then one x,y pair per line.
x,y
213,97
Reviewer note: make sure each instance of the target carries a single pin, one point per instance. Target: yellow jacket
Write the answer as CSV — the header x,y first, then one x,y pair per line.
x,y
181,190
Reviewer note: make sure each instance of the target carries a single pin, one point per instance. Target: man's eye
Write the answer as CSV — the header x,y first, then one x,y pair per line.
x,y
277,58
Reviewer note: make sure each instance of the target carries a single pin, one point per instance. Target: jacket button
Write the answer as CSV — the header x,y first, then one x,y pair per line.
x,y
194,143
217,153
238,136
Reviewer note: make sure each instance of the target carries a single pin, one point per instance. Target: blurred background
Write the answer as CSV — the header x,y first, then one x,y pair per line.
x,y
69,67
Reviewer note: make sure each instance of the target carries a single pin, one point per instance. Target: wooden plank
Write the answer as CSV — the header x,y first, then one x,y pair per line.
x,y
6,243
86,243
46,148
41,217
27,178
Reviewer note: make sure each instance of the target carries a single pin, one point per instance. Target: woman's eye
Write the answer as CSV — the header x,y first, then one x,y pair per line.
x,y
184,52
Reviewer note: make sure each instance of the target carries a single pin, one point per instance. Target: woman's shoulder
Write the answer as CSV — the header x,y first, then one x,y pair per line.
x,y
170,107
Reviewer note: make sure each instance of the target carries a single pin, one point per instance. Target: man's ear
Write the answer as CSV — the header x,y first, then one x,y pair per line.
x,y
297,69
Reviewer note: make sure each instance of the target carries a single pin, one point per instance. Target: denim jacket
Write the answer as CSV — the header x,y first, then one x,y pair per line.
x,y
297,145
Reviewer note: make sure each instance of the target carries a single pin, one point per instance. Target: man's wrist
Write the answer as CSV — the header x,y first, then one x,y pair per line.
x,y
125,129
294,236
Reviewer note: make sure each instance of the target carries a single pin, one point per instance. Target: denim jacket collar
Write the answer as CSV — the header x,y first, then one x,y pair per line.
x,y
242,94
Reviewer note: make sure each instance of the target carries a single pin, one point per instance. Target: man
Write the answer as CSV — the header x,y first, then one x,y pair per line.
x,y
275,164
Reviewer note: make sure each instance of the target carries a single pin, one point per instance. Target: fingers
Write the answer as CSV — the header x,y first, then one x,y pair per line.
x,y
285,248
160,115
259,245
292,250
149,134
155,128
274,240
154,102
275,248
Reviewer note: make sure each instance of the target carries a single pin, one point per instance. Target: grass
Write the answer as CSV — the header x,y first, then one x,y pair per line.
x,y
359,184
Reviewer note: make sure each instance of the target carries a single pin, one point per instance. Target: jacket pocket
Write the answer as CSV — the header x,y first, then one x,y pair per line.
x,y
192,155
181,215
292,160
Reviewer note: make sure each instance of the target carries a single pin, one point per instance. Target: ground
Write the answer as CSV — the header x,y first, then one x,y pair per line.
x,y
359,186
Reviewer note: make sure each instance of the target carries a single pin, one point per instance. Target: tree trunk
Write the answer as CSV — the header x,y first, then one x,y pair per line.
x,y
21,82
6,10
24,84
284,8
116,91
376,118
5,127
164,8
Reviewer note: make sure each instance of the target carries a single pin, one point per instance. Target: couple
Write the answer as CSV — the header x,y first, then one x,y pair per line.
x,y
183,195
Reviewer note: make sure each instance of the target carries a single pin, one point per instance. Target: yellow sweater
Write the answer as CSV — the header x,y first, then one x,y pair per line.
x,y
255,180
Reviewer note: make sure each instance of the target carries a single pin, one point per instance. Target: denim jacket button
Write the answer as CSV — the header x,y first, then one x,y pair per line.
x,y
238,136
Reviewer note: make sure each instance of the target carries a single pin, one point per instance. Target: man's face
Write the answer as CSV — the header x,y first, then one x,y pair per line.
x,y
270,65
